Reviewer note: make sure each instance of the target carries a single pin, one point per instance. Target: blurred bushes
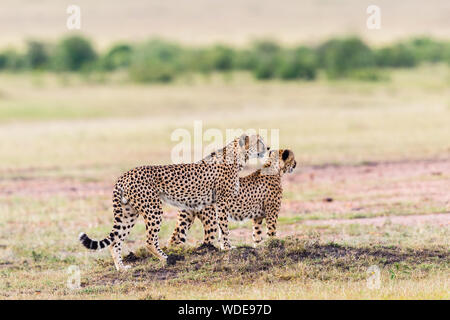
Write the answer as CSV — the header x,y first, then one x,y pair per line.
x,y
118,57
12,60
340,57
163,61
156,61
37,56
221,58
73,53
396,56
429,50
266,59
300,63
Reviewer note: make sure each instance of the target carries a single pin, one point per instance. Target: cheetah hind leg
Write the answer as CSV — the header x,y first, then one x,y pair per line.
x,y
124,222
184,223
116,252
152,219
208,218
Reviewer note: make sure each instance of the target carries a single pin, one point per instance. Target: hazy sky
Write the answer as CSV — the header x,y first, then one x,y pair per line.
x,y
232,21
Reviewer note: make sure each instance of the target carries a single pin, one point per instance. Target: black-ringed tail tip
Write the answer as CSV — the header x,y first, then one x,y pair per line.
x,y
84,239
93,244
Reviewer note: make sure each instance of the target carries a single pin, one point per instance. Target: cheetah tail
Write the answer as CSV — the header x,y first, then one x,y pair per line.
x,y
101,244
95,244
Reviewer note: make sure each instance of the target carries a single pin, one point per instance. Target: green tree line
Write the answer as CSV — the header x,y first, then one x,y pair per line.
x,y
162,61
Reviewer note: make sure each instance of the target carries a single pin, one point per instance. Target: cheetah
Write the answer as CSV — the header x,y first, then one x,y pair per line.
x,y
259,198
142,190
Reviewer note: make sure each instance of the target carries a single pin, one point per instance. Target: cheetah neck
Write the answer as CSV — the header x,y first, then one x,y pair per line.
x,y
270,168
228,154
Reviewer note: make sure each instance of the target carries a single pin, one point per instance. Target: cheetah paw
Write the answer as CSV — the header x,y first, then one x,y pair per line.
x,y
227,248
124,268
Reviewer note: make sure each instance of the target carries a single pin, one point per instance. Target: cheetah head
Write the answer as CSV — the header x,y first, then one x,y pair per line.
x,y
288,163
252,146
280,161
243,148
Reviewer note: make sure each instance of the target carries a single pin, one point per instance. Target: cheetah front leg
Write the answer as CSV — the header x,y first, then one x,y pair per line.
x,y
271,219
257,226
222,217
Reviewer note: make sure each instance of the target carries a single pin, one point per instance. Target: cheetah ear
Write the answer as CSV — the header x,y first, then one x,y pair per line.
x,y
244,140
285,155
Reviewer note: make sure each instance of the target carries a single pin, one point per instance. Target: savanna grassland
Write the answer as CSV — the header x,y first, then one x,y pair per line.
x,y
371,186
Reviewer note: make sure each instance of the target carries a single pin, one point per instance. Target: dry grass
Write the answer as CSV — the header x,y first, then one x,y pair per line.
x,y
63,142
281,269
41,218
323,122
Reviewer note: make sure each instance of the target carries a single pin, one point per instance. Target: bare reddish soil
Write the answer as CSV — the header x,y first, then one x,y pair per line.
x,y
409,187
440,219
